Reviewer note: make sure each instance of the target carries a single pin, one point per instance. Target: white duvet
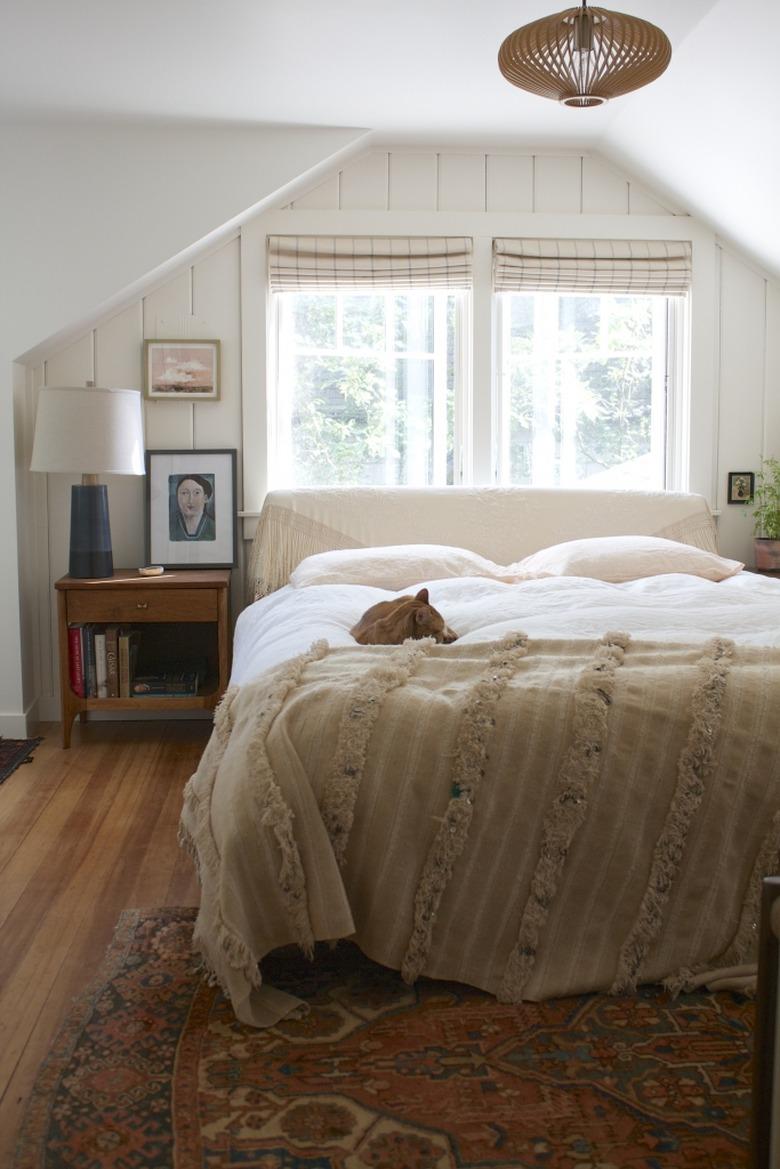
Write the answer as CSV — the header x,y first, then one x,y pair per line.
x,y
672,607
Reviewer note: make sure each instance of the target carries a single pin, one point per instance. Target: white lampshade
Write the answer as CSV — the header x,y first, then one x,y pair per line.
x,y
90,430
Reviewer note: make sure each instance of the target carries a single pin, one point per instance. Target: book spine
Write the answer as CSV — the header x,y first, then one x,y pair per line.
x,y
124,665
101,677
75,660
90,686
112,661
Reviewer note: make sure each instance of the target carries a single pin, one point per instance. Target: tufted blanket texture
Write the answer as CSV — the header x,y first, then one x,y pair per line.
x,y
533,817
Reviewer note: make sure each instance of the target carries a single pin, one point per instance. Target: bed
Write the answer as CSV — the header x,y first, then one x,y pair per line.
x,y
582,793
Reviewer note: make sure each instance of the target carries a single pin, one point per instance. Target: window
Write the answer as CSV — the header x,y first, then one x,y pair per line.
x,y
366,387
370,378
368,367
583,389
589,360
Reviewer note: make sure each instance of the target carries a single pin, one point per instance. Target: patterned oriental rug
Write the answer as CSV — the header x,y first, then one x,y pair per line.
x,y
13,752
151,1070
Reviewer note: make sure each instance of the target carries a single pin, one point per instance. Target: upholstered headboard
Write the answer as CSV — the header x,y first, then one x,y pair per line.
x,y
501,523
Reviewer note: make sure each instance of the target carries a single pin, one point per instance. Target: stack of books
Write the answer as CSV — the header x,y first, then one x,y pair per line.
x,y
175,684
102,663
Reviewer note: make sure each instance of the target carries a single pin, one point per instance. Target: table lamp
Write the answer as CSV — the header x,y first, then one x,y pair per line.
x,y
94,431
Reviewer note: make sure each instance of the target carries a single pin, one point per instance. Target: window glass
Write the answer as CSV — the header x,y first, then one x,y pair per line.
x,y
366,388
583,390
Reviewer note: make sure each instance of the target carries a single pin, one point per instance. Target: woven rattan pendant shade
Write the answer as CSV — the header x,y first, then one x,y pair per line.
x,y
584,56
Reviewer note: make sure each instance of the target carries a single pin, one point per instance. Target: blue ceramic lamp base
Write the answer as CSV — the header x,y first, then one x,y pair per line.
x,y
90,532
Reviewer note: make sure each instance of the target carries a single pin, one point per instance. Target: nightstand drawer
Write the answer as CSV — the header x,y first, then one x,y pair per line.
x,y
142,604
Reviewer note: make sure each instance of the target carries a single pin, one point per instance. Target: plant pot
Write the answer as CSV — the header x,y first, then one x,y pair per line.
x,y
767,554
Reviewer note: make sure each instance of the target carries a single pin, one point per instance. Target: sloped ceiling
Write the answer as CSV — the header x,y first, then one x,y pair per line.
x,y
704,134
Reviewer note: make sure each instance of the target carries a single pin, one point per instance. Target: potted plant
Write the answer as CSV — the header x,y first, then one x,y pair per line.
x,y
766,516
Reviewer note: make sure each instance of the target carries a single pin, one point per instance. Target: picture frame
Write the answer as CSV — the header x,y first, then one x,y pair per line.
x,y
191,508
182,371
742,485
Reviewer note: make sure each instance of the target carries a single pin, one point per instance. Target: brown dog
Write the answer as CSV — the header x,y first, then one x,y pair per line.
x,y
391,622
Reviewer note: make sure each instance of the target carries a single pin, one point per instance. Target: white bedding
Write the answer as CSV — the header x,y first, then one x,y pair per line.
x,y
673,608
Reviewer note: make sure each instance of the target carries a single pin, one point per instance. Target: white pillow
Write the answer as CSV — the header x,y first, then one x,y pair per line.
x,y
619,558
396,566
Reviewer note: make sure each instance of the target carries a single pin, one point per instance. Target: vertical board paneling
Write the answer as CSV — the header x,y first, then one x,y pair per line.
x,y
119,350
771,435
558,184
71,366
641,202
324,197
216,305
166,316
118,362
216,302
34,551
461,182
412,182
364,183
604,192
742,350
510,182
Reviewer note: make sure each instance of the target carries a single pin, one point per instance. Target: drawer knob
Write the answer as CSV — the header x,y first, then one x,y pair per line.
x,y
142,604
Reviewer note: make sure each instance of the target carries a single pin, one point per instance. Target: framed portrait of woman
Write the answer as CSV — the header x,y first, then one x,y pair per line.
x,y
191,509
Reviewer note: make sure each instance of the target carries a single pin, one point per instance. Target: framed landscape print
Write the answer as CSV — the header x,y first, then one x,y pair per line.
x,y
182,371
191,509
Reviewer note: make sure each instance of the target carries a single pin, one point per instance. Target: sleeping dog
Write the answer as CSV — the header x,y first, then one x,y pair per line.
x,y
392,622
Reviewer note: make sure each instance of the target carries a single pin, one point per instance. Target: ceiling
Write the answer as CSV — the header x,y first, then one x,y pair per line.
x,y
703,134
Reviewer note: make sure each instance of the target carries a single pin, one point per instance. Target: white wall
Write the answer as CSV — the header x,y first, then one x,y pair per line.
x,y
86,209
221,293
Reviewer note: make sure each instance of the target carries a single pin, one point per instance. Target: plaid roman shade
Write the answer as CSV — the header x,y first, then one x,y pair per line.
x,y
592,265
305,262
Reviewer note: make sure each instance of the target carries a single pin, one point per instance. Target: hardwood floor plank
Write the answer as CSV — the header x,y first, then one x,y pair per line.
x,y
86,833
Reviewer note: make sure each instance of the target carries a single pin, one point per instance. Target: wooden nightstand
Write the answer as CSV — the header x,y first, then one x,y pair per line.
x,y
181,616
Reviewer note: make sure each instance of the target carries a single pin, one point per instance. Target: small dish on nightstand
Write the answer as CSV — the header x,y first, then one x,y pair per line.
x,y
151,570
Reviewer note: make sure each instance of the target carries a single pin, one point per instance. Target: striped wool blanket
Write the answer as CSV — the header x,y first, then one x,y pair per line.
x,y
533,817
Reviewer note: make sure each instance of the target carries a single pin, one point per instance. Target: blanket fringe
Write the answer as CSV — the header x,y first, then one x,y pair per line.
x,y
196,837
274,813
579,771
468,769
283,538
340,792
695,764
745,940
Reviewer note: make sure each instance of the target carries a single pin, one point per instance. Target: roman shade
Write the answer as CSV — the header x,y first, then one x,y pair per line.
x,y
639,267
298,263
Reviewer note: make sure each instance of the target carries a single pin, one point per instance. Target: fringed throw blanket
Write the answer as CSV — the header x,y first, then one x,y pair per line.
x,y
536,818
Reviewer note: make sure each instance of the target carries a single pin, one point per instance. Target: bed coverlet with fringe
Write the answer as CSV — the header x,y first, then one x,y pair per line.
x,y
533,817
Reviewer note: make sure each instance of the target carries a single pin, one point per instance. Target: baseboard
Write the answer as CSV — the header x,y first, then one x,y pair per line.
x,y
15,726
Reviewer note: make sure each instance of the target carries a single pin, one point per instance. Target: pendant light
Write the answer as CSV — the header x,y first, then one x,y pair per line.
x,y
584,56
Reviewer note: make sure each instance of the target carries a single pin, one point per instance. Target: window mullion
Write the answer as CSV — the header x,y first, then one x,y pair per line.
x,y
503,473
282,419
545,389
392,468
439,405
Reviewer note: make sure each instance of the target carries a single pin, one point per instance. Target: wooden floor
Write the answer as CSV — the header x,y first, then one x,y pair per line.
x,y
84,834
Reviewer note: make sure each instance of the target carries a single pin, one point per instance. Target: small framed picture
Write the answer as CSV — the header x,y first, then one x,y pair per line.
x,y
182,371
191,509
741,486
